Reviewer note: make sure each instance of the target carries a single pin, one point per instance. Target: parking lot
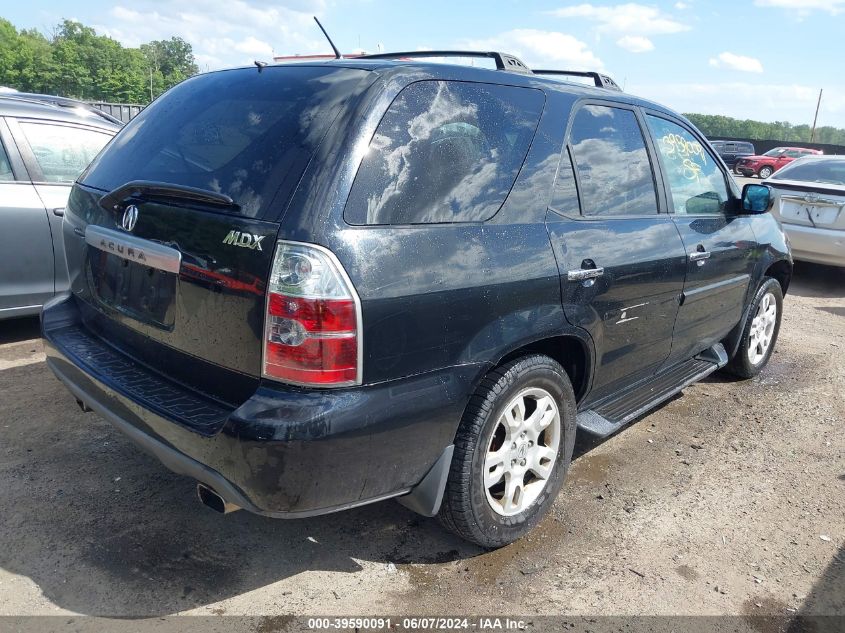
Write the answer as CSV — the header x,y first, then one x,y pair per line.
x,y
728,500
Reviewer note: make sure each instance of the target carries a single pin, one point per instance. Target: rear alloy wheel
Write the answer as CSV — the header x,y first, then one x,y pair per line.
x,y
512,450
765,172
760,332
522,452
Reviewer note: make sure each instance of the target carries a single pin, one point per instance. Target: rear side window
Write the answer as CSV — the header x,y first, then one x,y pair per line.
x,y
445,151
62,152
614,171
243,133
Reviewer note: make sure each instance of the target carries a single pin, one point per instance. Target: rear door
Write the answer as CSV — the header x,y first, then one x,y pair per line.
x,y
196,184
720,247
26,249
728,154
55,155
621,260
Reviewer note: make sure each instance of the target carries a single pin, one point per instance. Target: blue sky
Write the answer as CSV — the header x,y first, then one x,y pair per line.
x,y
762,59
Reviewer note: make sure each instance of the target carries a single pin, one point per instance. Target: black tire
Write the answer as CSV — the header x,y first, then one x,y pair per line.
x,y
465,509
741,365
765,172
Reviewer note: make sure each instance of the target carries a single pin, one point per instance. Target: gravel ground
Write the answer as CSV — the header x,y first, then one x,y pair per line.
x,y
730,499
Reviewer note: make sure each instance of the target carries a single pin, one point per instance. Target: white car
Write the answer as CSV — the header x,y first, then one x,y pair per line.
x,y
809,202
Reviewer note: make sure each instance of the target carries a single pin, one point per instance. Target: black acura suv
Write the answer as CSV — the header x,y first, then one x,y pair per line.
x,y
321,285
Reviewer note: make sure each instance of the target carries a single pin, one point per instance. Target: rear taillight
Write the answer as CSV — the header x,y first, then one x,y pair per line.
x,y
312,332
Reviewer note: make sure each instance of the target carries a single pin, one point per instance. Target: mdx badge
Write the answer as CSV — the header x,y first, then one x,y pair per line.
x,y
130,217
244,240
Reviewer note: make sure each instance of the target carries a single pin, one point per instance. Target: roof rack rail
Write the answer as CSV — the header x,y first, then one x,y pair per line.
x,y
504,61
601,81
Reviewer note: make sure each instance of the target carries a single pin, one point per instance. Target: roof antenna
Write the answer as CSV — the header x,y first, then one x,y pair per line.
x,y
260,65
334,48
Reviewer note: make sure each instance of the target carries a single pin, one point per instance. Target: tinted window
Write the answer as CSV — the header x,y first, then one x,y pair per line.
x,y
696,183
445,152
5,167
614,172
62,152
792,153
243,133
816,170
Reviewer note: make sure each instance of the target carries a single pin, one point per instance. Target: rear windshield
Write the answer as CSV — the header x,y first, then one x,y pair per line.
x,y
243,133
830,172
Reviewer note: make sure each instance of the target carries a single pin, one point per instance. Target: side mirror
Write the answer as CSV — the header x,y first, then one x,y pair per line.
x,y
756,199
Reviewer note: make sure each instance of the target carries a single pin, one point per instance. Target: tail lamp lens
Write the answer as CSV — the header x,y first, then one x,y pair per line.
x,y
312,328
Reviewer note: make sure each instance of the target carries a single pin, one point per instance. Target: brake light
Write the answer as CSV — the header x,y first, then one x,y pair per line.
x,y
312,331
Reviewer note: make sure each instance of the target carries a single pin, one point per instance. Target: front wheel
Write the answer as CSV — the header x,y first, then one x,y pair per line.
x,y
765,172
760,332
512,450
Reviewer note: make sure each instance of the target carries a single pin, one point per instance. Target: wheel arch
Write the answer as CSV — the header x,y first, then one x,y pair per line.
x,y
780,270
574,353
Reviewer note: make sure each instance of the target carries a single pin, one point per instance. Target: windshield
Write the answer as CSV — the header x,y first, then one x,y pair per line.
x,y
775,152
827,171
243,133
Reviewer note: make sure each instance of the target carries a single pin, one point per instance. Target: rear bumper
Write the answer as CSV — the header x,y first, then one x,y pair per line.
x,y
820,246
285,452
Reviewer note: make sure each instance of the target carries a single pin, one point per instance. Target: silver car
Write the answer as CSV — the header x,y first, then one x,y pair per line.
x,y
44,146
810,204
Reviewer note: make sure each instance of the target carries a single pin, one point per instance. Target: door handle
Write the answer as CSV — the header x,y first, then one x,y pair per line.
x,y
584,273
60,212
699,256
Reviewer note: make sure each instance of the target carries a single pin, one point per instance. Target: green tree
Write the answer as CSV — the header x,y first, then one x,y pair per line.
x,y
169,62
721,126
77,62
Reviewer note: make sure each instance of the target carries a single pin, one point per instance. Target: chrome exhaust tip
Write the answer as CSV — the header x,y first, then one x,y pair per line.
x,y
209,497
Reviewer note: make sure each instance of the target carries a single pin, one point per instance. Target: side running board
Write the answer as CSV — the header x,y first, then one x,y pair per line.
x,y
610,414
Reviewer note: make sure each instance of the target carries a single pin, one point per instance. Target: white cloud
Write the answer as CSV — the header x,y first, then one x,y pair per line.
x,y
680,6
541,48
254,47
737,62
805,6
624,19
635,43
763,102
221,32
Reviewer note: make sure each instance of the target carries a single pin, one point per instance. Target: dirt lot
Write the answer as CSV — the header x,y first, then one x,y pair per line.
x,y
727,500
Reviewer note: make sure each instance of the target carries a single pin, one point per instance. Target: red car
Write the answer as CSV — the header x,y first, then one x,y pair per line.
x,y
767,164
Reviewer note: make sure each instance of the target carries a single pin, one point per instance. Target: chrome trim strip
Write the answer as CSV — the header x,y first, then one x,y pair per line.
x,y
133,249
694,294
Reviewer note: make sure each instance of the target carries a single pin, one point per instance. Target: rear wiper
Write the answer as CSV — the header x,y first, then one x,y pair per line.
x,y
147,189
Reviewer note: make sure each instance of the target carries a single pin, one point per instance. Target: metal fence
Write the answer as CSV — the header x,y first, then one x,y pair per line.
x,y
123,111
